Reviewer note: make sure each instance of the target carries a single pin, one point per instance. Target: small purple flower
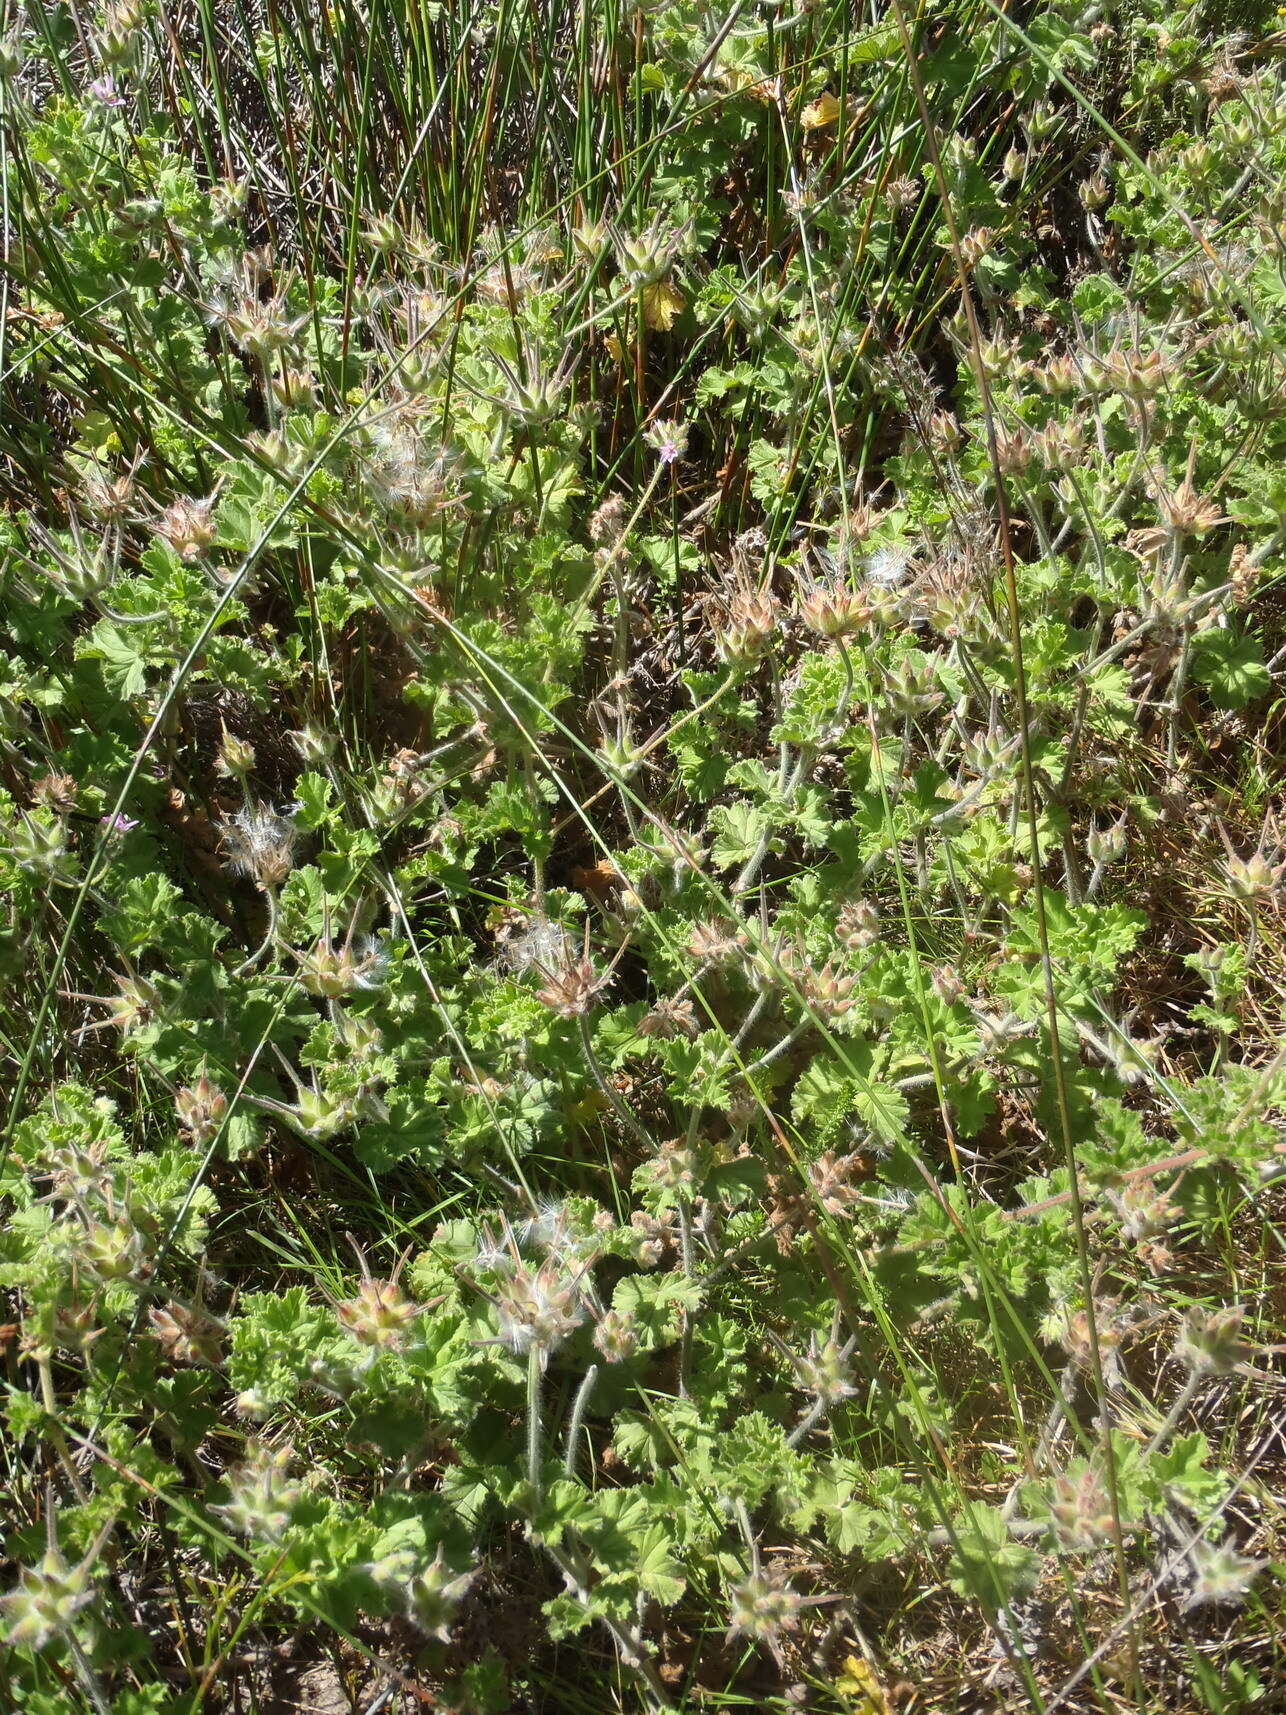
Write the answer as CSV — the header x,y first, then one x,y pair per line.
x,y
106,92
669,438
117,826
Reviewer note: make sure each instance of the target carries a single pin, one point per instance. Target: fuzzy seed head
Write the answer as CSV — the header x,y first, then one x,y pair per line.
x,y
858,927
1253,880
262,1498
833,1180
670,1018
539,1308
715,943
677,1165
1210,1343
571,988
259,843
1221,1576
762,1608
825,1372
1082,1511
45,1602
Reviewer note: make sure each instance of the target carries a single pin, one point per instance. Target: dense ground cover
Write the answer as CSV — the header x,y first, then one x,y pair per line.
x,y
640,761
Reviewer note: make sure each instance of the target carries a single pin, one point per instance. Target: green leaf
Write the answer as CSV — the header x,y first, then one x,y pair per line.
x,y
736,830
986,1564
144,913
1231,667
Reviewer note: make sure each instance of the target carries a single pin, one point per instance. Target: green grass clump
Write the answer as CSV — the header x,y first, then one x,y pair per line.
x,y
640,834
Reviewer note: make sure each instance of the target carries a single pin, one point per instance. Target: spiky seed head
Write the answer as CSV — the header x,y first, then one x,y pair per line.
x,y
1082,1510
331,971
433,1595
73,1327
187,1336
135,1006
1221,1576
201,1108
539,1308
380,1314
975,244
114,1249
762,1608
259,843
646,260
320,1116
315,745
834,609
13,56
749,628
616,1336
824,1371
262,1497
46,1601
570,989
830,992
1210,1342
236,756
80,1173
188,526
1253,880
1094,191
41,848
383,234
858,925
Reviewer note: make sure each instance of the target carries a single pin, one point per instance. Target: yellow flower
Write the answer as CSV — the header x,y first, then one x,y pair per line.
x,y
661,303
860,1688
820,113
